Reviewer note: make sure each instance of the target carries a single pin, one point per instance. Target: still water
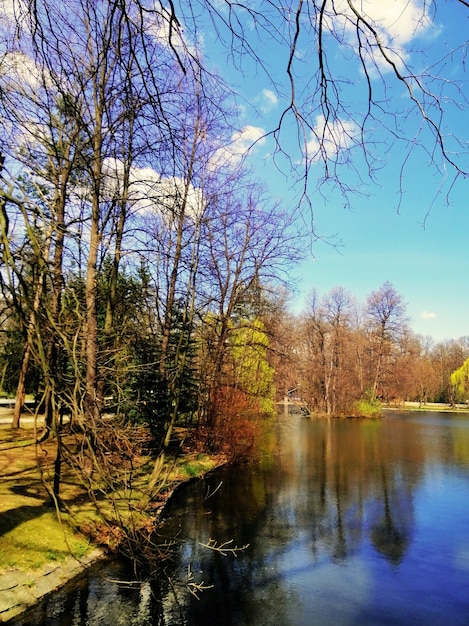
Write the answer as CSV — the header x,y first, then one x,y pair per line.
x,y
346,522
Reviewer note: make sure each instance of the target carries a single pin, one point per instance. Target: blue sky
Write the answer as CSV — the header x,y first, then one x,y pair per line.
x,y
419,244
428,267
417,240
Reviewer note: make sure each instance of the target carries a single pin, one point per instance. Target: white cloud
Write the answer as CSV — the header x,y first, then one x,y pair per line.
x,y
331,137
397,23
268,100
171,34
19,72
399,20
270,96
242,142
428,315
151,192
9,10
6,10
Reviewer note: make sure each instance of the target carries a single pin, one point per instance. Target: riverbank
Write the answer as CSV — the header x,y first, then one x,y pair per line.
x,y
429,406
20,590
39,550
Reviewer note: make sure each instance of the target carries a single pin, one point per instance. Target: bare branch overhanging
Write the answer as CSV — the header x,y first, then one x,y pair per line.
x,y
345,123
361,121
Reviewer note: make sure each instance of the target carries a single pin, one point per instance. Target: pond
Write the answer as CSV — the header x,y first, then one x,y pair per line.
x,y
344,522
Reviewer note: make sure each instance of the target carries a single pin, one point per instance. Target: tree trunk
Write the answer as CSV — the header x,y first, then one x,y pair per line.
x,y
21,387
91,400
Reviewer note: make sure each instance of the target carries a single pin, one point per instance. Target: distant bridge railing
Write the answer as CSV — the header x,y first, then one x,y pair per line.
x,y
290,400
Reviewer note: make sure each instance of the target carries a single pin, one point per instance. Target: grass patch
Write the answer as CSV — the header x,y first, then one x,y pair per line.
x,y
37,537
30,532
192,467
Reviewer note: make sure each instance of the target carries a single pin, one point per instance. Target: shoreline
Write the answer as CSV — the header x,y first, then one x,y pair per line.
x,y
437,407
21,590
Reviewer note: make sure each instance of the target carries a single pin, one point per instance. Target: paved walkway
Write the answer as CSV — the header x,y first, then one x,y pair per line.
x,y
22,590
6,416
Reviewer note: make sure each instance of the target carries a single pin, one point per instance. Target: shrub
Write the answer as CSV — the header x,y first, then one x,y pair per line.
x,y
367,408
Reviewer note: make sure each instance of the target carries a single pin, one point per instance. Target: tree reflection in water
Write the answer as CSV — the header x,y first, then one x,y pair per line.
x,y
337,492
342,517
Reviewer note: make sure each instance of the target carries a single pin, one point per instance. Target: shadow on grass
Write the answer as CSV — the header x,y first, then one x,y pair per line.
x,y
12,518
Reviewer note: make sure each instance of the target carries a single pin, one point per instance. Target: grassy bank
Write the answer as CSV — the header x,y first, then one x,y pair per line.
x,y
34,536
31,533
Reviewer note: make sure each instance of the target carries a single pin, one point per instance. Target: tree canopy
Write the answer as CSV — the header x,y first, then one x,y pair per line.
x,y
460,382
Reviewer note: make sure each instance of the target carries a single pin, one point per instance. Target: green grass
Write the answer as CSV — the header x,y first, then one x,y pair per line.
x,y
33,541
197,466
30,532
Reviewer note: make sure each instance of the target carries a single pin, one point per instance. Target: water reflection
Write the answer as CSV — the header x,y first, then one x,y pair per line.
x,y
353,479
340,498
347,521
104,596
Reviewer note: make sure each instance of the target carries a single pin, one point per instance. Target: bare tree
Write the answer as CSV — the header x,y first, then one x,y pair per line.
x,y
247,243
328,361
337,307
354,82
424,373
385,313
353,79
